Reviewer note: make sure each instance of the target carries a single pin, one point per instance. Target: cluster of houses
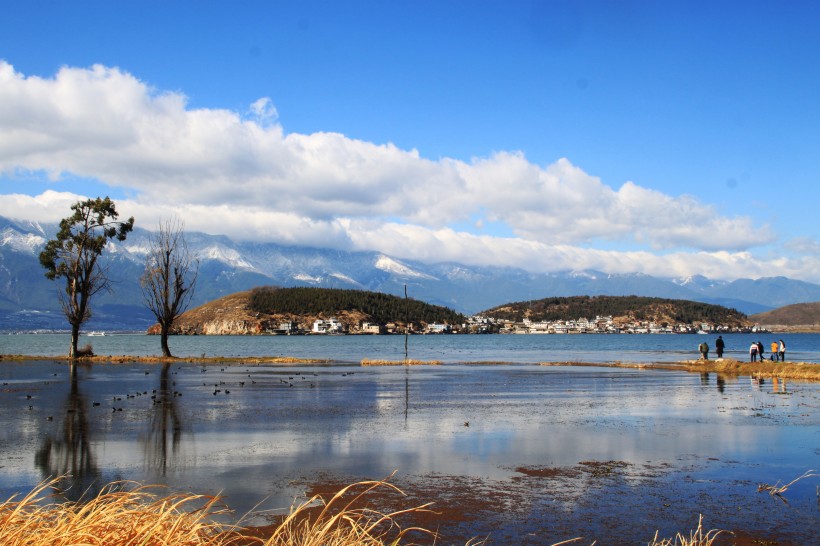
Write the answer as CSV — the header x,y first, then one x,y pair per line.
x,y
607,325
488,325
333,326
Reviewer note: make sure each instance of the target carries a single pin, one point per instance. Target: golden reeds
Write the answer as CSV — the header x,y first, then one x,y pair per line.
x,y
767,368
344,520
125,514
121,514
696,538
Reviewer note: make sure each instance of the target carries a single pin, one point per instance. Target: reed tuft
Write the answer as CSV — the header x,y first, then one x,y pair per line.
x,y
698,537
122,513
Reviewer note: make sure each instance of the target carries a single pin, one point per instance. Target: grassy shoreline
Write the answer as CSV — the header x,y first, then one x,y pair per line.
x,y
787,370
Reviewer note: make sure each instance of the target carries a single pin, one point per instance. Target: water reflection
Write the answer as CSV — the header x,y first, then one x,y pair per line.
x,y
162,443
720,381
69,454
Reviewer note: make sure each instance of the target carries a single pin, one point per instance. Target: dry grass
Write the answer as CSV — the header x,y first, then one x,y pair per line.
x,y
122,514
345,519
409,362
125,514
767,368
778,489
696,538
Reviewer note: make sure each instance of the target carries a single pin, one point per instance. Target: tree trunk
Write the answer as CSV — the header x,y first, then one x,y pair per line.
x,y
163,339
75,336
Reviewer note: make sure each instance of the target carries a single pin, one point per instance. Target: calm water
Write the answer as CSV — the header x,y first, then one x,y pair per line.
x,y
678,444
446,348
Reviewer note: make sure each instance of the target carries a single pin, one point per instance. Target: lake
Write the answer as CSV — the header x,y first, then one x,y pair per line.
x,y
524,454
446,348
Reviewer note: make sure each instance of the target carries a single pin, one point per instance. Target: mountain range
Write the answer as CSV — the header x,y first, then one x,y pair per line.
x,y
28,301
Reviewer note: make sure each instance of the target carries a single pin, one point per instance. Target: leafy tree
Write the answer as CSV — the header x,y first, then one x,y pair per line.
x,y
169,278
74,253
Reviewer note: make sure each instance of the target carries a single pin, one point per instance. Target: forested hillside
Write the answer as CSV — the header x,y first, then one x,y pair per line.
x,y
381,308
799,314
633,307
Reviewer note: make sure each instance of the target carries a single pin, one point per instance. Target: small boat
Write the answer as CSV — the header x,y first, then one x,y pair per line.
x,y
95,334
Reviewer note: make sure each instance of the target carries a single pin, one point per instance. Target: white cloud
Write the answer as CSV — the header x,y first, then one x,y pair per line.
x,y
248,179
264,110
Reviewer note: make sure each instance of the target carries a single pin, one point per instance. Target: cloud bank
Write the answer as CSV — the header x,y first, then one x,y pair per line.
x,y
243,176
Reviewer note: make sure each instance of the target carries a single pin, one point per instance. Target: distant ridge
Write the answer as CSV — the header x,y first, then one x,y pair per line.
x,y
621,308
796,317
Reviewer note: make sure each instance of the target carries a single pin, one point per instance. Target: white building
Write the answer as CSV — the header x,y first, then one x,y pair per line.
x,y
329,326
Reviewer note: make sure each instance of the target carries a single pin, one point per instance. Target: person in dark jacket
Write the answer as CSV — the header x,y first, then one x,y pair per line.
x,y
719,345
753,352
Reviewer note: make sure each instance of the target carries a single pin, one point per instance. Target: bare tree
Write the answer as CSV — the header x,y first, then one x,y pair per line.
x,y
169,278
74,253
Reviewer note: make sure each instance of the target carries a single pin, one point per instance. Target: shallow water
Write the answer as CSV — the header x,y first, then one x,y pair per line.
x,y
610,454
446,348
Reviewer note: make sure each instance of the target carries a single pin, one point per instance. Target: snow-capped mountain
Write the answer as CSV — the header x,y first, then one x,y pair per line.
x,y
28,300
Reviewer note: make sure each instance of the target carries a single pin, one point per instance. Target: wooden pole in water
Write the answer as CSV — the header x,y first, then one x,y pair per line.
x,y
406,323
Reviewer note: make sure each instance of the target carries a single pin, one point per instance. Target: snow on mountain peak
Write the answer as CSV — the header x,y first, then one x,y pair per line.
x,y
583,275
27,243
344,278
393,267
227,256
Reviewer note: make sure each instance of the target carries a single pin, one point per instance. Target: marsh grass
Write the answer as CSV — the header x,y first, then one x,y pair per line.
x,y
122,513
786,370
409,362
126,513
778,489
345,519
698,537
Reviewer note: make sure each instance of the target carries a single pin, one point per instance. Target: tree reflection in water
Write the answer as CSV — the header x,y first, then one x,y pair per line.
x,y
165,433
69,455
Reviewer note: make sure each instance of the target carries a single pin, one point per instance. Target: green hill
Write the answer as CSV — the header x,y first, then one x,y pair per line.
x,y
639,308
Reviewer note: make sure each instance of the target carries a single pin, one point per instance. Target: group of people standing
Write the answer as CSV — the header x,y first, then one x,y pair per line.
x,y
778,351
755,351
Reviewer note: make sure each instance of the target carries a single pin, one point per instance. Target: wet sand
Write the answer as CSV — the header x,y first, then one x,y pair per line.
x,y
524,454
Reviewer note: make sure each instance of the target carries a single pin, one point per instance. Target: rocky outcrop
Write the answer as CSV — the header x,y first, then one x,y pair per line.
x,y
226,316
231,315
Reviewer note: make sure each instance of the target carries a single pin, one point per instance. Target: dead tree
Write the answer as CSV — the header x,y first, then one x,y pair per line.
x,y
170,277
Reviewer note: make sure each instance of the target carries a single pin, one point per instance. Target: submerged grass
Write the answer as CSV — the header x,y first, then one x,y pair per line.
x,y
125,514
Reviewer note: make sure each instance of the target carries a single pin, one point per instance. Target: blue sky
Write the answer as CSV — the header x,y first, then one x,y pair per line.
x,y
672,138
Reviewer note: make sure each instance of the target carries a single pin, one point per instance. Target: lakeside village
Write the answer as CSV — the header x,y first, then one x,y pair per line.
x,y
486,325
